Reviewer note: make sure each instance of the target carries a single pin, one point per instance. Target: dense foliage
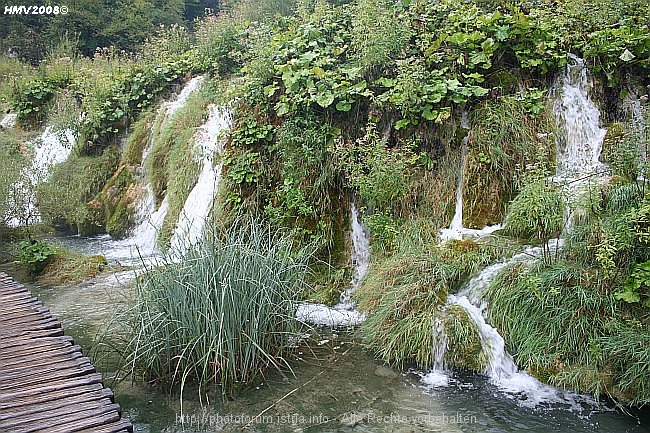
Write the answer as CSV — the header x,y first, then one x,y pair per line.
x,y
364,101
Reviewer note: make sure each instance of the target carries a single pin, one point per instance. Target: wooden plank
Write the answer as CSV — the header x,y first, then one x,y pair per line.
x,y
57,403
71,417
116,427
39,381
26,335
34,344
46,364
58,385
46,384
52,396
48,352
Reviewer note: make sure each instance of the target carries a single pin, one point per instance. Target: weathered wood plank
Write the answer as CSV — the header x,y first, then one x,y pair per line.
x,y
46,384
70,418
23,335
52,396
34,344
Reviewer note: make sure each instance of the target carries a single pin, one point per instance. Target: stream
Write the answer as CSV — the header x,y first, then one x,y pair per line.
x,y
336,387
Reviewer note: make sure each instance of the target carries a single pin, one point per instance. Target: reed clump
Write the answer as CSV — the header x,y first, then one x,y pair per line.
x,y
221,313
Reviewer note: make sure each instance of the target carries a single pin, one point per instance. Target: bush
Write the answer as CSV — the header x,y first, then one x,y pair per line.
x,y
219,314
33,255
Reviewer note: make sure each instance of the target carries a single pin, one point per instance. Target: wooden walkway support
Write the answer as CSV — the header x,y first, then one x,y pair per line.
x,y
46,384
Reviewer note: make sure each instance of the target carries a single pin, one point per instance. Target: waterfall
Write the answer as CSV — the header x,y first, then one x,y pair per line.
x,y
51,148
149,217
577,157
196,209
343,313
577,116
360,258
456,231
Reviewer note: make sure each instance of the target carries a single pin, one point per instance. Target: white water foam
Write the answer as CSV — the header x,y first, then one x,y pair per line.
x,y
579,119
51,148
192,219
9,121
344,313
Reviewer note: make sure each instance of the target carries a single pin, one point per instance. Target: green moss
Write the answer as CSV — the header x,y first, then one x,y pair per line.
x,y
120,220
66,267
117,199
464,348
138,139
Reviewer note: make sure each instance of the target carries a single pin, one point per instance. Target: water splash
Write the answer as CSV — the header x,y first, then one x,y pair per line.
x,y
344,313
51,148
189,229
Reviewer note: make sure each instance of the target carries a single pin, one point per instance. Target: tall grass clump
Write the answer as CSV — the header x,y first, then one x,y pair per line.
x,y
403,295
219,314
507,140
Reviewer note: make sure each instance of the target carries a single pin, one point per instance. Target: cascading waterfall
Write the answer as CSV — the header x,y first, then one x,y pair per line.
x,y
143,239
360,258
578,156
578,117
51,148
196,209
343,313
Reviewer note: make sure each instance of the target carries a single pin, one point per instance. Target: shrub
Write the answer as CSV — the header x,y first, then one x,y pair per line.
x,y
33,255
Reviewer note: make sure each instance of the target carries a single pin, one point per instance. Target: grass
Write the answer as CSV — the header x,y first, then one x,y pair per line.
x,y
403,293
505,142
562,323
221,314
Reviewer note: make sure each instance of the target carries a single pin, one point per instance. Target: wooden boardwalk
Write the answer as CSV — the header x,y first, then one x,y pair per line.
x,y
46,384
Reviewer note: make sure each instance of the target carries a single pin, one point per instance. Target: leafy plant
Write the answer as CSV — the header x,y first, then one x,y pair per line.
x,y
34,255
637,285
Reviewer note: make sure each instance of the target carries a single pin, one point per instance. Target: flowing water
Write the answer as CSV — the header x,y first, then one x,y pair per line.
x,y
51,148
456,231
337,387
141,246
578,119
344,313
196,209
577,161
